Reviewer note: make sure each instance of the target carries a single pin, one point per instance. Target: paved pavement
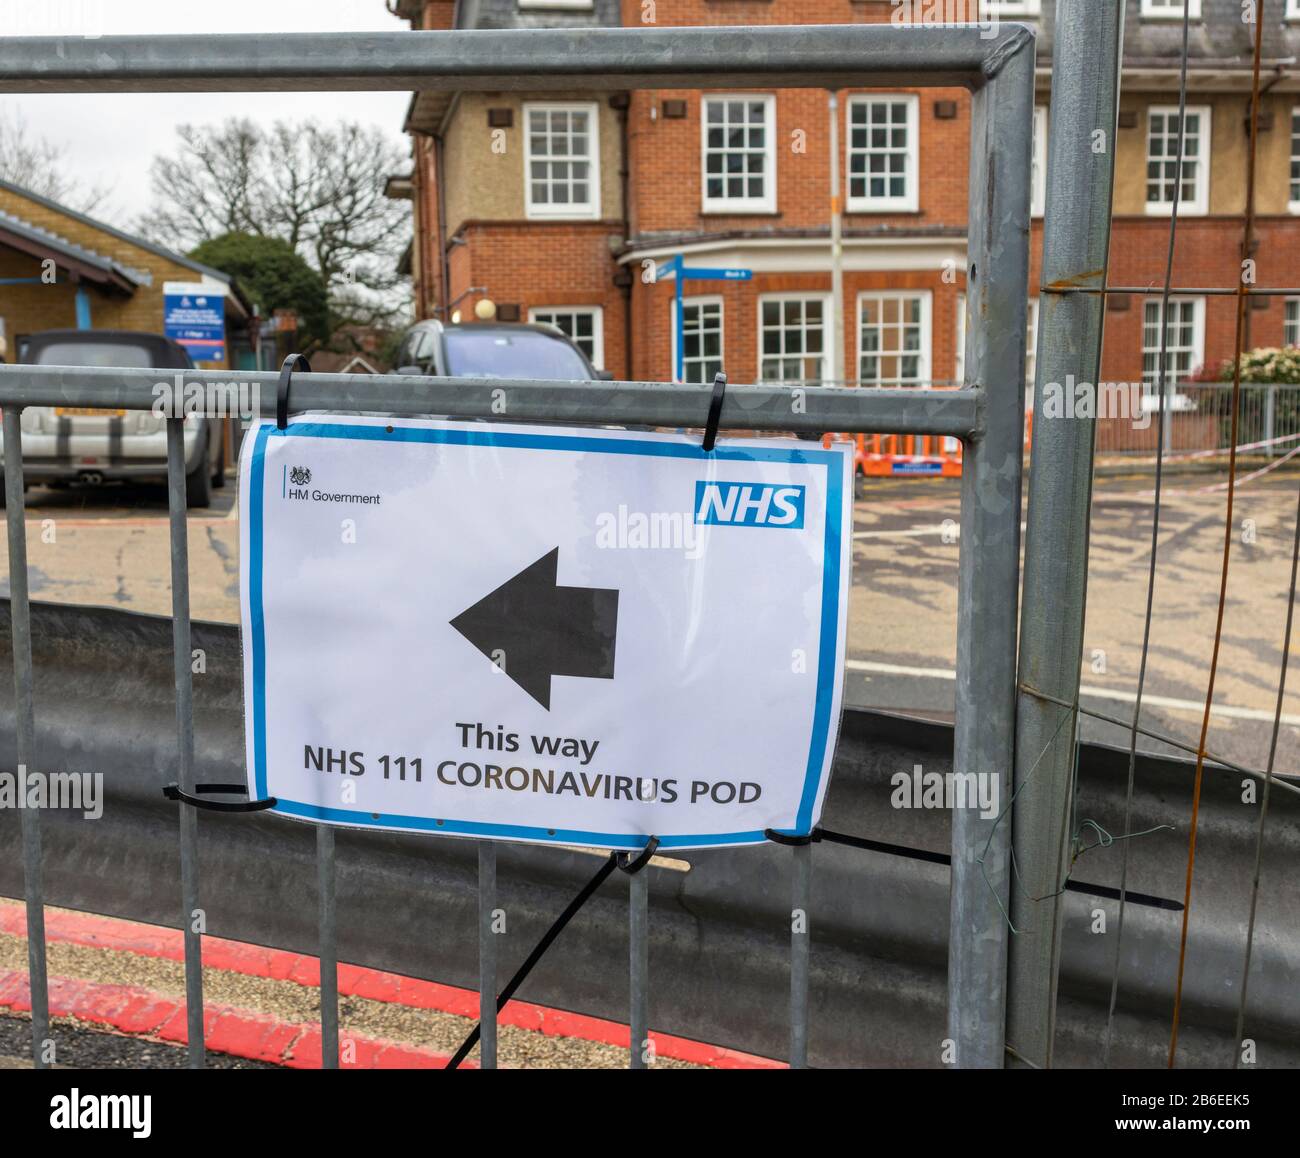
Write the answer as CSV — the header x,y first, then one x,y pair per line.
x,y
902,636
263,1006
109,546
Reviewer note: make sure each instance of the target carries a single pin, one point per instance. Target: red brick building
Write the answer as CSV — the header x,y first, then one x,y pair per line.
x,y
556,206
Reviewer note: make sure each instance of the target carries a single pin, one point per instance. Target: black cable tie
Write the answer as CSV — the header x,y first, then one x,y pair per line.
x,y
1071,886
793,841
631,867
881,846
715,412
174,792
584,895
291,363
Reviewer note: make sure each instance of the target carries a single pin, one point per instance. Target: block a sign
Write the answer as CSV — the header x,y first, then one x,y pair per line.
x,y
194,314
542,634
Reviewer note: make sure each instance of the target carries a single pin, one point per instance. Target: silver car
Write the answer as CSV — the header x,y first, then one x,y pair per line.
x,y
63,444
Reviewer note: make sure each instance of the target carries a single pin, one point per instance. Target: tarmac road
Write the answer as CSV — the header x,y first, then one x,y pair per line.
x,y
88,1049
902,636
109,546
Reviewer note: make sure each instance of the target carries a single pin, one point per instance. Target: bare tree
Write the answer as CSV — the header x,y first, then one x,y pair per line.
x,y
208,189
38,164
318,187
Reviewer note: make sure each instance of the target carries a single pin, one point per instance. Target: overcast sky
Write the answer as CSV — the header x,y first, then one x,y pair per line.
x,y
111,139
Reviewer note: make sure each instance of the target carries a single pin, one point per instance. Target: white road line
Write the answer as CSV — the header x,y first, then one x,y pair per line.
x,y
1174,705
951,527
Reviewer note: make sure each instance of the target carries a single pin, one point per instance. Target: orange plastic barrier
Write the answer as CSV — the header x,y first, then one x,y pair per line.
x,y
891,455
901,455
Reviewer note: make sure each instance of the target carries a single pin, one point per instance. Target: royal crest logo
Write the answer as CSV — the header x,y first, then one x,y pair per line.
x,y
300,476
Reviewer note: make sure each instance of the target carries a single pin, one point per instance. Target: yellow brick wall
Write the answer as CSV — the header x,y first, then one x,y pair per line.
x,y
1228,153
484,185
26,309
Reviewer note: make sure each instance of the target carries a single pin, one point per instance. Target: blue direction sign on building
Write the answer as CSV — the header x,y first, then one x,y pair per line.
x,y
195,316
679,270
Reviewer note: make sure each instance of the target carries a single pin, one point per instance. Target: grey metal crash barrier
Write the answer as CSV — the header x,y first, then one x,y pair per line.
x,y
719,920
996,64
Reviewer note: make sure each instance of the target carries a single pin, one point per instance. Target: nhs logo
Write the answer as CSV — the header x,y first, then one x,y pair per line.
x,y
739,504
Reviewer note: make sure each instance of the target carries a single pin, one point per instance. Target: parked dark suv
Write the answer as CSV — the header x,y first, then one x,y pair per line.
x,y
493,350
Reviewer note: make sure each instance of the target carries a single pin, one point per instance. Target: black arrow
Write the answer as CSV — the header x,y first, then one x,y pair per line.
x,y
539,629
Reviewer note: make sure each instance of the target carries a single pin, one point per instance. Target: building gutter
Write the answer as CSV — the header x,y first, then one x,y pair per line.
x,y
806,239
623,109
1279,74
439,159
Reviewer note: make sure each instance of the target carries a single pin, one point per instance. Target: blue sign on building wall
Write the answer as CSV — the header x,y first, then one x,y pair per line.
x,y
195,316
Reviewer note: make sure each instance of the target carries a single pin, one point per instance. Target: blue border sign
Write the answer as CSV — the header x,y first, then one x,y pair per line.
x,y
824,728
197,320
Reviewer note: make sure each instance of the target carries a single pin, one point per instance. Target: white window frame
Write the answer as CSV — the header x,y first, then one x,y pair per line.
x,y
764,204
1151,390
571,211
1293,203
826,331
924,354
1291,305
1292,10
1011,7
556,5
1169,9
910,199
909,202
1199,205
1038,164
700,300
597,315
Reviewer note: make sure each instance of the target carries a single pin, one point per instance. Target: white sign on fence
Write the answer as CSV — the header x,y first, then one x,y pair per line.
x,y
542,633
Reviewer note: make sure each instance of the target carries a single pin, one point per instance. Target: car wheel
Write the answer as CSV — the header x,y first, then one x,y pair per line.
x,y
198,485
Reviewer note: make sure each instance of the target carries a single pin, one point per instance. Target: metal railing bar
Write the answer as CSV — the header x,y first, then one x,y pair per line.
x,y
638,905
25,719
988,565
1076,248
800,946
191,919
512,60
958,413
328,949
487,955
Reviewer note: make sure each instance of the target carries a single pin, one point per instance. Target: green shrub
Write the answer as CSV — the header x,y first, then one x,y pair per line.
x,y
1266,366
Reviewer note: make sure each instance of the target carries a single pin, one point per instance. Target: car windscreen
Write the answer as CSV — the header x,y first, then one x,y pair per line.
x,y
514,354
115,355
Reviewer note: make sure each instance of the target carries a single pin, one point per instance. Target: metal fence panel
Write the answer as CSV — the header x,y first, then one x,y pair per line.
x,y
997,64
719,934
